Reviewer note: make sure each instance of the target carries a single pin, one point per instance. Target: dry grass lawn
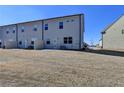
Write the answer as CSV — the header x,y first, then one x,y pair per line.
x,y
30,68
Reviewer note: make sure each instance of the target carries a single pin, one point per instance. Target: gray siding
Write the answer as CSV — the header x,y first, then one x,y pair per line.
x,y
29,34
1,36
8,33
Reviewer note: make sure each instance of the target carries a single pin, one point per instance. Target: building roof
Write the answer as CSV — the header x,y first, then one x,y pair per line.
x,y
44,19
111,24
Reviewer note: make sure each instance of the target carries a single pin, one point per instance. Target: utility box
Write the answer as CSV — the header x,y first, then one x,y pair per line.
x,y
10,44
38,44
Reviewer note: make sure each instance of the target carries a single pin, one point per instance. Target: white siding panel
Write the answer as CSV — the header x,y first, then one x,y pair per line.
x,y
56,35
113,38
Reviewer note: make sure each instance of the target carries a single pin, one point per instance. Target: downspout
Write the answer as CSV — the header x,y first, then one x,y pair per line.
x,y
80,32
102,39
42,30
83,30
17,34
43,33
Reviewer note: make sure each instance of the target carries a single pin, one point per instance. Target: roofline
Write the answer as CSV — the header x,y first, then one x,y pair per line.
x,y
111,24
43,19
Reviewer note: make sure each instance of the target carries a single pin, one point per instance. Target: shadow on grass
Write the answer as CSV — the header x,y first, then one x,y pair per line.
x,y
106,52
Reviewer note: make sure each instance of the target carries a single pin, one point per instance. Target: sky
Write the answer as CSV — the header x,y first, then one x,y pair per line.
x,y
97,18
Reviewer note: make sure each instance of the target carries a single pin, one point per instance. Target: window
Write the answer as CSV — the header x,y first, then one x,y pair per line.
x,y
22,30
72,20
46,26
32,42
35,28
60,25
122,31
13,31
20,42
67,21
47,42
67,40
7,32
70,40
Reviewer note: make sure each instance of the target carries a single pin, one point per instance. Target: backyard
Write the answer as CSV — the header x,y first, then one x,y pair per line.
x,y
60,68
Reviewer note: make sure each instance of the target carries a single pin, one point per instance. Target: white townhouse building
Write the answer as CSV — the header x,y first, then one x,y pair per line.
x,y
65,32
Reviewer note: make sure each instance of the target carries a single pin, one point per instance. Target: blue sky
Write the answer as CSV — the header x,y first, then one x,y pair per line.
x,y
96,17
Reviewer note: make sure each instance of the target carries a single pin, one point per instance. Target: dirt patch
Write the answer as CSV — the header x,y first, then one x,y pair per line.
x,y
51,68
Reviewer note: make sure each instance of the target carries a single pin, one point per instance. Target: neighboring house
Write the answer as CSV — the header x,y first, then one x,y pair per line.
x,y
60,32
113,35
